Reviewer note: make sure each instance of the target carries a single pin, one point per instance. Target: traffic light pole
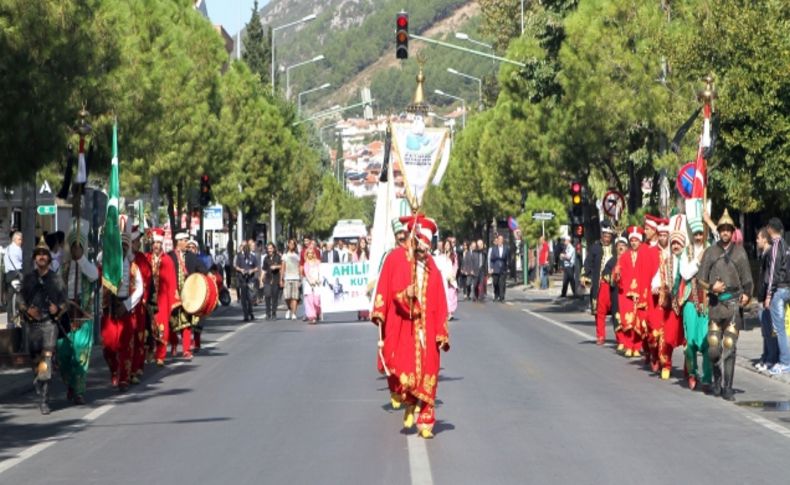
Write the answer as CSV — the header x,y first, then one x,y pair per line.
x,y
469,51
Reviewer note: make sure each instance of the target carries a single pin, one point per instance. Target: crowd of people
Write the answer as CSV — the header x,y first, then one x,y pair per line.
x,y
266,276
679,283
140,317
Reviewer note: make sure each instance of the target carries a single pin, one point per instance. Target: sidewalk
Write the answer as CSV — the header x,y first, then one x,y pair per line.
x,y
750,341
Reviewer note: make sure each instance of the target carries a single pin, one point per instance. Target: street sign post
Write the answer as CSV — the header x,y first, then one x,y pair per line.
x,y
543,217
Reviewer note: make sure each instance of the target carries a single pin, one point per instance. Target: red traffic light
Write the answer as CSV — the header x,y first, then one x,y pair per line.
x,y
204,179
576,187
402,36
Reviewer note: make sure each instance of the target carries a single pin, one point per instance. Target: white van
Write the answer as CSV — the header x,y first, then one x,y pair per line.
x,y
348,229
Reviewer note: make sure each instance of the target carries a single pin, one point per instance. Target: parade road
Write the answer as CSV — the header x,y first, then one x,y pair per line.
x,y
525,396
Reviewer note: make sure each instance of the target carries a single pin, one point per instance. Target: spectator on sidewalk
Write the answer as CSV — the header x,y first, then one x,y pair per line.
x,y
778,292
544,262
12,266
568,259
770,355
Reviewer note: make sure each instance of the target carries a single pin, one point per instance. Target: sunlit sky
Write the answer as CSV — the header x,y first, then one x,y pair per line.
x,y
232,14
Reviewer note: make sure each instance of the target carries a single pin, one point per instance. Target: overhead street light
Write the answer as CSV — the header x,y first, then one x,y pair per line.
x,y
299,96
317,58
304,19
463,36
479,85
463,104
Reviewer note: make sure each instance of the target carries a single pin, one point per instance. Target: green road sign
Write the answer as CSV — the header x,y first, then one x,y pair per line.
x,y
47,210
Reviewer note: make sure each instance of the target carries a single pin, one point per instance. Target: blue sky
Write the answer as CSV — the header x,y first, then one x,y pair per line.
x,y
232,14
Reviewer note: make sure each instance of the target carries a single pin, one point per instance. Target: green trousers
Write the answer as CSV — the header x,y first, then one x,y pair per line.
x,y
695,326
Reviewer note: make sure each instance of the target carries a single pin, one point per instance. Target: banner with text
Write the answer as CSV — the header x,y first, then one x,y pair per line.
x,y
417,149
344,287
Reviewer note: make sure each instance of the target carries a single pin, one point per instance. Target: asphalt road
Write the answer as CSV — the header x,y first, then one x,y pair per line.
x,y
523,399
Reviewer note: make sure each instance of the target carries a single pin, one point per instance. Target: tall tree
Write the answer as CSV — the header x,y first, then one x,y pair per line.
x,y
49,62
258,46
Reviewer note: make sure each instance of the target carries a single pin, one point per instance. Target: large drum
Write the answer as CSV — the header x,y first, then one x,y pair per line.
x,y
199,295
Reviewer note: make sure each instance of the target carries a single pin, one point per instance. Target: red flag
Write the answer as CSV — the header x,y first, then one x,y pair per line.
x,y
700,168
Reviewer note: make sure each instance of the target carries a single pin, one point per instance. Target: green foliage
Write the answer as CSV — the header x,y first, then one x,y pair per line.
x,y
258,47
48,67
334,204
532,229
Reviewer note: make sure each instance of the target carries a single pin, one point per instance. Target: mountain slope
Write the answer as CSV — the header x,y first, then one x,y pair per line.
x,y
351,34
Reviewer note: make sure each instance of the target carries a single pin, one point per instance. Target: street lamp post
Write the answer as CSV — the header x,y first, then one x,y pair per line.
x,y
463,36
285,26
479,85
299,96
463,104
298,64
306,18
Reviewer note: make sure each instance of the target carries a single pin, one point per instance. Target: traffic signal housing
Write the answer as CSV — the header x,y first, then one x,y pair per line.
x,y
402,36
577,210
205,190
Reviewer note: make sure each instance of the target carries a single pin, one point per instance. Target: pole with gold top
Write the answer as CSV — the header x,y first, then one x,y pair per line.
x,y
700,187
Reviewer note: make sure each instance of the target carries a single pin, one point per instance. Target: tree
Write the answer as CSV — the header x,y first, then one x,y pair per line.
x,y
258,47
49,63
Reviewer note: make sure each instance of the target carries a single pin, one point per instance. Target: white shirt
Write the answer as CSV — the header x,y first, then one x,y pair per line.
x,y
12,259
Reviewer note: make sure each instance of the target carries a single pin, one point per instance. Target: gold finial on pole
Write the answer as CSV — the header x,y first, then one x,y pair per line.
x,y
709,94
418,105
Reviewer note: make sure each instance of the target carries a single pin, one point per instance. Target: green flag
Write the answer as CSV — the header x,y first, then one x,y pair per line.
x,y
112,256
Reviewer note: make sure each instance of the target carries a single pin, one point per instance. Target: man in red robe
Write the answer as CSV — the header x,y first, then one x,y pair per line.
x,y
118,319
659,253
411,309
633,284
141,310
163,294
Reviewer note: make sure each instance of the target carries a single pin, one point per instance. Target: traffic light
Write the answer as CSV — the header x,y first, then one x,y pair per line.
x,y
402,36
205,191
577,210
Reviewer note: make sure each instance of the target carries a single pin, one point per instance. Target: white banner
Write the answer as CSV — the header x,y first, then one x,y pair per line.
x,y
417,149
344,287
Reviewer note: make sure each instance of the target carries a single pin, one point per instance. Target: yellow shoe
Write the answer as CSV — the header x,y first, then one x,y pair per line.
x,y
665,374
395,403
620,348
627,353
637,354
408,416
426,434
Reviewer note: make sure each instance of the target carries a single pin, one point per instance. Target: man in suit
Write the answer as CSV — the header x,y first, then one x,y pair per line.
x,y
330,255
498,257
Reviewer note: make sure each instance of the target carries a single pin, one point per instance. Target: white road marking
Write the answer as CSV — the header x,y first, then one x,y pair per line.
x,y
97,413
419,464
83,422
765,423
564,326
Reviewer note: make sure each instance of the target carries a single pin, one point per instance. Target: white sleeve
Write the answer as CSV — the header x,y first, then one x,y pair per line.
x,y
135,297
688,269
88,269
656,283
